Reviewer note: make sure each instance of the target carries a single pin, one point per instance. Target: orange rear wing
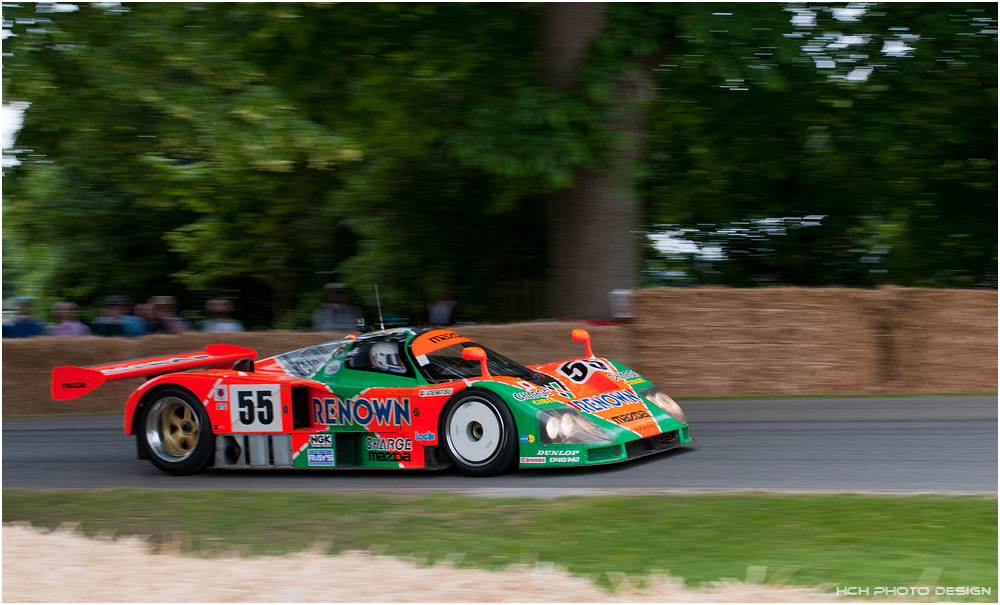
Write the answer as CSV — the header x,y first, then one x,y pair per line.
x,y
70,382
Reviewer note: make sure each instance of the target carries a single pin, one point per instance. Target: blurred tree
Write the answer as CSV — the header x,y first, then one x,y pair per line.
x,y
169,156
493,147
877,122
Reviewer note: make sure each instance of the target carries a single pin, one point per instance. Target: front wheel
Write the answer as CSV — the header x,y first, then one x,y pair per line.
x,y
175,432
479,434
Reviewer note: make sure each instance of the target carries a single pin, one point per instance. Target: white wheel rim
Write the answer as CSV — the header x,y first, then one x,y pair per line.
x,y
474,431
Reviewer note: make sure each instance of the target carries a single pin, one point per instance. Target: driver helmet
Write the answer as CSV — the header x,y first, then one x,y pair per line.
x,y
385,356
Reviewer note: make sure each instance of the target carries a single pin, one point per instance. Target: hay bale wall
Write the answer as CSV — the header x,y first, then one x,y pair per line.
x,y
942,340
724,341
691,341
797,341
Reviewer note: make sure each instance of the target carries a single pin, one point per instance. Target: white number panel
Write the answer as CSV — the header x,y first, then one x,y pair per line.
x,y
255,408
579,371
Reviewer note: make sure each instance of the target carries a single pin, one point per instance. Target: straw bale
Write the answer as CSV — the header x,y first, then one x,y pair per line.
x,y
727,341
944,340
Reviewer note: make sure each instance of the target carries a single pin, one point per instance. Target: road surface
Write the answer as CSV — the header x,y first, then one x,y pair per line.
x,y
883,444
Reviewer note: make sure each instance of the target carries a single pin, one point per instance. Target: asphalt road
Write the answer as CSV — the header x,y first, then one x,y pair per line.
x,y
887,444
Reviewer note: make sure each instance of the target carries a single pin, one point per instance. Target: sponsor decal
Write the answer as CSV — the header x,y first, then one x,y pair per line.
x,y
444,337
74,385
339,412
645,427
429,342
333,367
532,395
390,444
532,459
422,360
562,452
579,370
627,374
221,405
321,440
606,401
428,436
527,438
629,417
320,457
564,458
389,456
254,408
435,392
637,380
153,364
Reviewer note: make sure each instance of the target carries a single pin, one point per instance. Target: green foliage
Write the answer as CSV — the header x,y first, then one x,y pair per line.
x,y
901,165
172,158
266,149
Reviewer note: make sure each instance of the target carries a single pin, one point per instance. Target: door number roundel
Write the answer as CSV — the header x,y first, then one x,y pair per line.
x,y
255,408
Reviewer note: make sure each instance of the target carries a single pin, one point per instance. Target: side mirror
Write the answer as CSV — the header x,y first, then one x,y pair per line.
x,y
477,353
585,337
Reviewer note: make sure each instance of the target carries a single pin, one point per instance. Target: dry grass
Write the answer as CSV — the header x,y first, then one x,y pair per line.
x,y
64,566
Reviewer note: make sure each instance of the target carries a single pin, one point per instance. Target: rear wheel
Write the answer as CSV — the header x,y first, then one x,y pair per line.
x,y
479,434
175,433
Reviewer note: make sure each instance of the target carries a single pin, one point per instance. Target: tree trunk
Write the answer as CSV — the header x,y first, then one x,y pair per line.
x,y
594,223
281,287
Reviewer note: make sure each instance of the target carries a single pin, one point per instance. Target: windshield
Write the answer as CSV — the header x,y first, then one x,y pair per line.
x,y
303,363
447,364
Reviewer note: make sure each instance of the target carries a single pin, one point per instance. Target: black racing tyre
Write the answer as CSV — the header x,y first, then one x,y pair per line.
x,y
479,434
174,431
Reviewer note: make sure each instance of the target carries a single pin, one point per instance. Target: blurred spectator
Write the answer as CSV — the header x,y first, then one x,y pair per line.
x,y
107,324
147,311
117,311
22,324
334,315
218,311
441,312
165,308
69,325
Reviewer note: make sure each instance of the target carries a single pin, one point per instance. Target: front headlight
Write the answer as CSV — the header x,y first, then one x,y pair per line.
x,y
665,403
566,425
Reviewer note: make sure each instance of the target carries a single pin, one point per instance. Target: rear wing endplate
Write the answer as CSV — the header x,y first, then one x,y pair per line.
x,y
70,382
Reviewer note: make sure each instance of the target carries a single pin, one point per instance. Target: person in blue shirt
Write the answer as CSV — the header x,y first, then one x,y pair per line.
x,y
118,312
22,324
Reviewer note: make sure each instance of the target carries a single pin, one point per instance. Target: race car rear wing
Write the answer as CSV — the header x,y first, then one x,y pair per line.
x,y
70,382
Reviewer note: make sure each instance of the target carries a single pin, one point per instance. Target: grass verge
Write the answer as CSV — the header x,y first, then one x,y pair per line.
x,y
843,540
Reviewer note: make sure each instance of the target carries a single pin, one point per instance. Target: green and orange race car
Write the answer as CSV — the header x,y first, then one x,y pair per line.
x,y
415,398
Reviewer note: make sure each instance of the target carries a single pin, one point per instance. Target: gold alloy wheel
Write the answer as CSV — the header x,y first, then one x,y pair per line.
x,y
172,429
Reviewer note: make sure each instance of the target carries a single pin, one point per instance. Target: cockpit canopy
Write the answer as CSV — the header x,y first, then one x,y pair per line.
x,y
436,354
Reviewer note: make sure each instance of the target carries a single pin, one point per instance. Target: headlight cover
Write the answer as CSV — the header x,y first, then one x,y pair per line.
x,y
566,425
665,403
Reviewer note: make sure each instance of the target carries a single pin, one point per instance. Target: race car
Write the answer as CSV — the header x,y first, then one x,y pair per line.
x,y
411,398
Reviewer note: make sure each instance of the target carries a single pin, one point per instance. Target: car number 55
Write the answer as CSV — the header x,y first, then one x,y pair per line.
x,y
255,408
